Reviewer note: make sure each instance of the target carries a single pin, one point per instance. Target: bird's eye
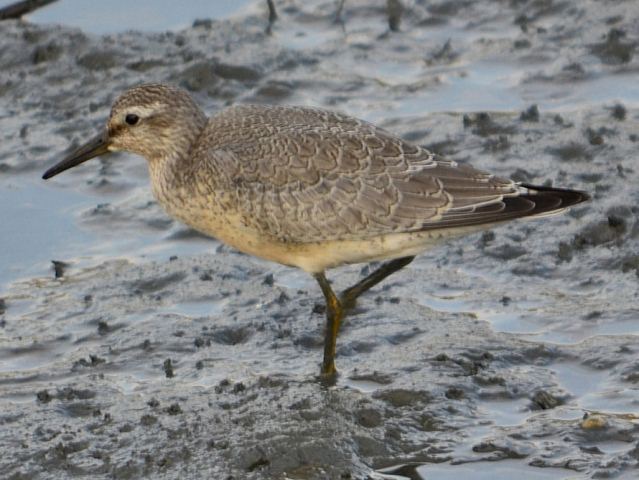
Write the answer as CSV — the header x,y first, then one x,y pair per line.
x,y
131,119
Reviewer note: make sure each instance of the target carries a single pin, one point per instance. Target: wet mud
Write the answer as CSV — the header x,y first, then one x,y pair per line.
x,y
145,349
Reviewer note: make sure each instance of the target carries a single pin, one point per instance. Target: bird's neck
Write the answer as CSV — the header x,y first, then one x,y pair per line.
x,y
172,163
178,143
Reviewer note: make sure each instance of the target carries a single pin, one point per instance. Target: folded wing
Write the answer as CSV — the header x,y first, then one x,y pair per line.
x,y
305,175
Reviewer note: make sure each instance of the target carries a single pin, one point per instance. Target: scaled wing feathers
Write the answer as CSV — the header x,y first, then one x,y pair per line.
x,y
306,175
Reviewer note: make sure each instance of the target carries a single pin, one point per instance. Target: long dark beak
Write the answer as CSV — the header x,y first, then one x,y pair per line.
x,y
95,147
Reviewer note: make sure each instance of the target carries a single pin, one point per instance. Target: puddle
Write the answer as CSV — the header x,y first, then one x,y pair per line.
x,y
145,15
43,227
365,386
580,381
198,308
594,390
502,470
501,91
564,331
458,91
543,318
504,413
514,317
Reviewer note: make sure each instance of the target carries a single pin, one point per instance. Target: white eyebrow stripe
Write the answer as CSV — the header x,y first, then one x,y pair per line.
x,y
143,111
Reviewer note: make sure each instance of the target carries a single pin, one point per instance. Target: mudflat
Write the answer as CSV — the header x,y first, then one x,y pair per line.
x,y
147,349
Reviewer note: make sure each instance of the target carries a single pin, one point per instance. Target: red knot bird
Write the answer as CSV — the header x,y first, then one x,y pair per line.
x,y
307,187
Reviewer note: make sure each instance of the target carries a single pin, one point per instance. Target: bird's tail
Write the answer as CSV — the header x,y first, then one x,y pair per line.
x,y
549,200
531,201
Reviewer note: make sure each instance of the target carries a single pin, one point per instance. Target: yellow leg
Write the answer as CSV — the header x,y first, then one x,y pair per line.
x,y
336,308
334,314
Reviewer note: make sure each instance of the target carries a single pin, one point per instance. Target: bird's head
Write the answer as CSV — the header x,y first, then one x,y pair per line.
x,y
153,120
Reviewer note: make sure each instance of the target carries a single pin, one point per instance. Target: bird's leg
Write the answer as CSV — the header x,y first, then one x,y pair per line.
x,y
338,13
272,16
334,314
349,296
336,307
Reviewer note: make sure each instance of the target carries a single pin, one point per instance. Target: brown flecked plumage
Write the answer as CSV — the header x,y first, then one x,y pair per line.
x,y
307,187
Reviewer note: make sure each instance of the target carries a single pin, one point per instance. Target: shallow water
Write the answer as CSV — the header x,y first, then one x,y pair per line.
x,y
42,226
145,15
504,470
482,358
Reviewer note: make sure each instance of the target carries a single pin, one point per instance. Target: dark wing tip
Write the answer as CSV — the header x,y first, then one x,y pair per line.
x,y
566,197
537,200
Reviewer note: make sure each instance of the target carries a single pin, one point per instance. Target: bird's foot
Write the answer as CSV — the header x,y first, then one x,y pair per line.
x,y
328,374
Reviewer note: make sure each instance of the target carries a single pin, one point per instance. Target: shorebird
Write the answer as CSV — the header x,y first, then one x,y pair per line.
x,y
307,187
